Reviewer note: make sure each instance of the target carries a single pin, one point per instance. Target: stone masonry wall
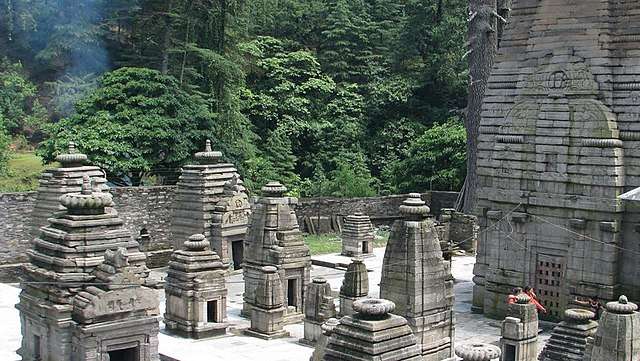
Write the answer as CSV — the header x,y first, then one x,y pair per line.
x,y
150,208
379,209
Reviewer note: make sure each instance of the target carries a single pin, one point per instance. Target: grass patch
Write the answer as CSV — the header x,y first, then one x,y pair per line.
x,y
23,172
331,243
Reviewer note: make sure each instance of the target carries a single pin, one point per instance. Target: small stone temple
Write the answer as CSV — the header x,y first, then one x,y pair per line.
x,y
569,338
274,239
64,258
230,222
558,143
199,190
372,333
195,291
319,306
268,310
519,331
117,320
618,335
59,181
418,280
357,236
355,286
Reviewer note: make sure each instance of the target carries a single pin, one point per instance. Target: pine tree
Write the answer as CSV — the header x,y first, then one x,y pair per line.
x,y
278,152
345,52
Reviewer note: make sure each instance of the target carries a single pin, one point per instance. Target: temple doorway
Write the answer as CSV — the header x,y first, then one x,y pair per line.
x,y
127,354
292,292
212,311
237,250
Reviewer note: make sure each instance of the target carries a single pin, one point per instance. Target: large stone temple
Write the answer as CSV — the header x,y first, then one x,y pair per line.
x,y
558,144
83,297
199,190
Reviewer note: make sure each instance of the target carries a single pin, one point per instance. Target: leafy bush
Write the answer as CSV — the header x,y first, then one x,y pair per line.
x,y
19,106
436,160
350,179
137,123
4,148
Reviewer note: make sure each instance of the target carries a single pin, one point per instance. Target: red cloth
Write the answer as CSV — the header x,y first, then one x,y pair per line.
x,y
534,300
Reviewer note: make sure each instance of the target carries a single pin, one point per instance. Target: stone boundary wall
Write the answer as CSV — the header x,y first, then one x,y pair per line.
x,y
381,210
150,208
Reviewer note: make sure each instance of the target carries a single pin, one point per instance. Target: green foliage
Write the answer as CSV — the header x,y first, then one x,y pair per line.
x,y
23,172
138,122
436,160
4,148
346,52
19,106
350,179
331,243
327,96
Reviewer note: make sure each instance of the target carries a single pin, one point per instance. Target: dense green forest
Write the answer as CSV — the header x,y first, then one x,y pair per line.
x,y
331,97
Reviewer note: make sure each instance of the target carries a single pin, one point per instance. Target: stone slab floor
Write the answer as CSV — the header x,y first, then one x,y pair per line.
x,y
470,327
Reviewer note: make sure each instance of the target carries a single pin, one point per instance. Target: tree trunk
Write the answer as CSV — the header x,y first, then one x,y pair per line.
x,y
483,40
166,41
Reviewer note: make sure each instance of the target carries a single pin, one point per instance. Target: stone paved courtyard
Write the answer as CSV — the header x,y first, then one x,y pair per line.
x,y
469,328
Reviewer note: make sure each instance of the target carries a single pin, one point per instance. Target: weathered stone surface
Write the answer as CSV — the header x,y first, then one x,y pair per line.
x,y
268,311
519,339
195,291
478,352
381,210
230,222
357,235
558,143
116,317
319,306
59,310
460,229
149,209
373,333
618,335
569,338
274,239
199,190
355,286
59,181
323,340
416,277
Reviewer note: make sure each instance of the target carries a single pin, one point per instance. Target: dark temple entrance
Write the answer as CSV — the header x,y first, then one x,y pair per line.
x,y
510,353
237,249
127,354
212,311
292,292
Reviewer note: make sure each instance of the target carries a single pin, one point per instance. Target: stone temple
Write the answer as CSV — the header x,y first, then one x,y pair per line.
x,y
199,190
418,280
64,319
274,239
372,333
558,144
357,235
195,291
65,179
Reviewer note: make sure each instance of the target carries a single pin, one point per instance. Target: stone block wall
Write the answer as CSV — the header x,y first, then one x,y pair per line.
x,y
150,208
381,210
15,220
